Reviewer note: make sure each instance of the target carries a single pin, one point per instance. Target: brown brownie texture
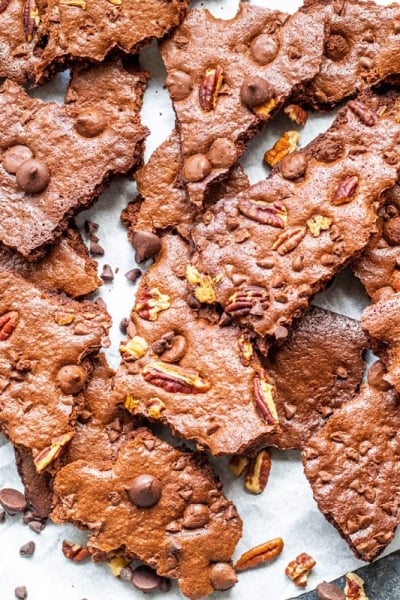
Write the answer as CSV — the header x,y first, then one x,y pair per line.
x,y
156,503
271,248
66,267
162,202
56,160
38,487
361,49
227,77
315,370
352,466
46,342
182,369
378,266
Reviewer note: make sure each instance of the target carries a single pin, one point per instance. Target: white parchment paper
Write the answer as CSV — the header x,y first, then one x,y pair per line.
x,y
286,508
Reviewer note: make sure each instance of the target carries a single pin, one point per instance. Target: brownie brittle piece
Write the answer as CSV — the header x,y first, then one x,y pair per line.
x,y
158,504
317,369
227,77
45,346
352,466
56,160
186,371
361,49
269,249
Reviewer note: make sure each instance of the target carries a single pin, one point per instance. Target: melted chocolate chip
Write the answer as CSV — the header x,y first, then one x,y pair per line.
x,y
336,47
12,500
33,176
293,165
222,153
176,351
222,576
15,156
145,491
146,244
264,48
255,91
179,85
196,167
195,516
327,591
71,378
90,123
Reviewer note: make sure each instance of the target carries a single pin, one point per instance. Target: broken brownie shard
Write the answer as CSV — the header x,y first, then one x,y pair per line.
x,y
56,160
352,465
178,365
189,530
226,78
270,249
44,339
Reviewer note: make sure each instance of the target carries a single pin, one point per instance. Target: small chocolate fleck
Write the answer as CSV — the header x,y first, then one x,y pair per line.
x,y
21,592
12,500
15,156
96,249
27,549
133,275
33,176
146,579
90,226
146,244
145,490
107,273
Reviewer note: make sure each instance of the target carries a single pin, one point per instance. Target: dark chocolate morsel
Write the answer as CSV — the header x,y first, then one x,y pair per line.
x,y
196,167
328,591
12,500
264,48
107,273
71,378
27,549
179,85
33,176
222,153
96,249
145,490
195,516
146,244
222,576
146,579
15,156
90,123
255,91
21,592
293,165
133,275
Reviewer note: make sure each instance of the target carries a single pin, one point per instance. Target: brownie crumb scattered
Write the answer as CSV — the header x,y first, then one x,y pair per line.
x,y
27,549
21,592
107,273
133,275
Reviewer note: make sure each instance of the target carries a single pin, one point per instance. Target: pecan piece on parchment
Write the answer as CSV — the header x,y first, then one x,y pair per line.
x,y
299,569
260,554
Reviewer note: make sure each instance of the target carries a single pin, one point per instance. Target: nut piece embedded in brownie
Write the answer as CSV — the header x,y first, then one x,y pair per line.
x,y
55,160
188,529
271,248
352,465
316,369
180,367
361,49
66,267
44,339
227,77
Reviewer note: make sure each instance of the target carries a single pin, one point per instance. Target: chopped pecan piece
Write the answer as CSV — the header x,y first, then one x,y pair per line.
x,y
155,408
299,569
238,464
242,302
263,397
260,554
150,303
289,240
174,378
131,403
345,190
8,322
318,223
134,349
74,552
245,349
296,113
42,458
354,588
268,214
258,472
210,87
31,19
366,115
286,144
204,290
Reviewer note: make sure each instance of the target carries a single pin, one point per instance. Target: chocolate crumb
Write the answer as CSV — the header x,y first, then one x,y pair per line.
x,y
126,574
36,526
100,302
107,273
90,226
21,592
96,249
123,326
133,275
27,549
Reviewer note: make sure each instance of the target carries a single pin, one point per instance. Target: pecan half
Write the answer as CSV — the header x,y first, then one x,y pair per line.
x,y
173,378
345,190
210,87
260,554
289,240
244,301
42,458
264,401
31,19
268,214
74,552
3,5
258,472
286,144
134,349
318,223
296,113
366,115
204,284
8,322
354,588
299,569
245,350
238,464
150,303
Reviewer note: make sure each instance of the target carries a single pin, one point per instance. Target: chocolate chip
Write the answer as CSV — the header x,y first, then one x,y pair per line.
x,y
96,249
100,302
146,579
12,500
375,377
336,47
222,153
146,244
90,226
222,576
27,549
327,591
329,150
196,168
71,378
255,91
126,574
107,273
159,346
176,351
133,275
90,123
123,325
195,516
15,156
179,85
33,176
36,526
21,592
193,302
293,165
391,231
145,490
264,48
